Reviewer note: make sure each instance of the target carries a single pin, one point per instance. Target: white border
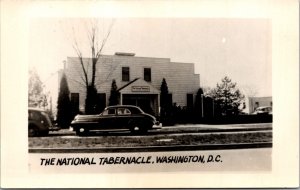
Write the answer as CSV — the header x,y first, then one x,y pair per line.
x,y
15,16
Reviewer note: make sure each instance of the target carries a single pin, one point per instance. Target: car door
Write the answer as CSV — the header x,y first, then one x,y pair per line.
x,y
107,119
123,116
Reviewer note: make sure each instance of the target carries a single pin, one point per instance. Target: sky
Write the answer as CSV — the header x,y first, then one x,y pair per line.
x,y
218,47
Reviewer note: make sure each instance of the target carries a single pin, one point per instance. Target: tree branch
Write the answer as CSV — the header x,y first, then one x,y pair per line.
x,y
79,54
72,79
104,41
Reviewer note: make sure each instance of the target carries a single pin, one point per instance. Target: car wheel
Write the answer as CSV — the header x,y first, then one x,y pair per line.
x,y
32,131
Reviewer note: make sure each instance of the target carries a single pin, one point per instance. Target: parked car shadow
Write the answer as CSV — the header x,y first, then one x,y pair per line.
x,y
101,133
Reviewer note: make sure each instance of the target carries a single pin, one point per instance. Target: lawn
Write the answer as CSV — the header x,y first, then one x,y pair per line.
x,y
127,140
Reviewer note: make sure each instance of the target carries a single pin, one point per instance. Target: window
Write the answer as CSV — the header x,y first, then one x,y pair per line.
x,y
125,74
101,102
110,111
34,115
75,103
147,74
123,111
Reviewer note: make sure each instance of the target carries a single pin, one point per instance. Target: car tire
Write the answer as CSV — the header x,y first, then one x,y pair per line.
x,y
32,131
45,133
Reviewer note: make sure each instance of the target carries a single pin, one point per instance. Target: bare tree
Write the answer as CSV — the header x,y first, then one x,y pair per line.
x,y
96,46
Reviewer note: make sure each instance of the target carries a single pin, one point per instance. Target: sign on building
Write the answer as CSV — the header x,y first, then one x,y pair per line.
x,y
140,88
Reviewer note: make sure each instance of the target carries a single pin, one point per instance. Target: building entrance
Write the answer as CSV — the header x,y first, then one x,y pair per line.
x,y
147,102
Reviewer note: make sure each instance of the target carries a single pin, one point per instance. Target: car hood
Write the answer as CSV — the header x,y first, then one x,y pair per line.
x,y
86,117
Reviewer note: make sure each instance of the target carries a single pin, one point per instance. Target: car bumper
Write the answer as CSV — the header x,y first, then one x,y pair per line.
x,y
54,128
157,125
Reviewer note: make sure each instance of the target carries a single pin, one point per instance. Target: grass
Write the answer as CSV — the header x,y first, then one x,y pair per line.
x,y
157,140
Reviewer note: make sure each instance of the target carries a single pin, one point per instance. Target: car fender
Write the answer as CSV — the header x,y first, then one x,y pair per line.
x,y
40,129
37,125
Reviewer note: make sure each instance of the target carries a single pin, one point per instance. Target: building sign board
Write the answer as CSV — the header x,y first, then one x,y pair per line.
x,y
140,89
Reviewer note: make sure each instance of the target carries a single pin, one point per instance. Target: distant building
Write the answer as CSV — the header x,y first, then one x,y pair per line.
x,y
255,102
138,80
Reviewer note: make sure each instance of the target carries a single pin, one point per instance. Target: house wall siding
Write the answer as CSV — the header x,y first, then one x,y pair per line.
x,y
262,101
180,77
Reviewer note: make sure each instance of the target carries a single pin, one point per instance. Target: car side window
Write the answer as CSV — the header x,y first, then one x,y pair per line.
x,y
127,112
123,111
109,112
34,116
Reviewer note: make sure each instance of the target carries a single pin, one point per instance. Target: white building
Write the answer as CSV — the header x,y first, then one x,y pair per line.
x,y
138,80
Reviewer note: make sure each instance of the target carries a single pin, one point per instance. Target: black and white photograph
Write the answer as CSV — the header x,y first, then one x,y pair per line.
x,y
189,94
109,88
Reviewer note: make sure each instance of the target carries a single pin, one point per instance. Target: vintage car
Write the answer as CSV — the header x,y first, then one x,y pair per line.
x,y
115,118
264,110
39,123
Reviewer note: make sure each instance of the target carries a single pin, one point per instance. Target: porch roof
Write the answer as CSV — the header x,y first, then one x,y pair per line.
x,y
138,86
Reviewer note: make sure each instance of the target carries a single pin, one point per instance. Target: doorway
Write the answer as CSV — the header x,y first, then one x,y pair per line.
x,y
147,102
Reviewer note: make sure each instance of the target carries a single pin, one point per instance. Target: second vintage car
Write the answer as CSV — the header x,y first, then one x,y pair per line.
x,y
264,110
115,118
39,123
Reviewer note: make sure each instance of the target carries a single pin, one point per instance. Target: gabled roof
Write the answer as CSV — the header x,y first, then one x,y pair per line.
x,y
127,84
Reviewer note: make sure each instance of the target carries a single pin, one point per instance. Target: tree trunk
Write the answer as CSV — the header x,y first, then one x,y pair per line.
x,y
94,71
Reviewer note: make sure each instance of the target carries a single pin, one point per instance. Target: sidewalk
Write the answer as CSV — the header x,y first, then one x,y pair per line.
x,y
197,128
228,126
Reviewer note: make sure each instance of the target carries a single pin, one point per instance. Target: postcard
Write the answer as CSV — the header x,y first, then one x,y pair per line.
x,y
150,94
